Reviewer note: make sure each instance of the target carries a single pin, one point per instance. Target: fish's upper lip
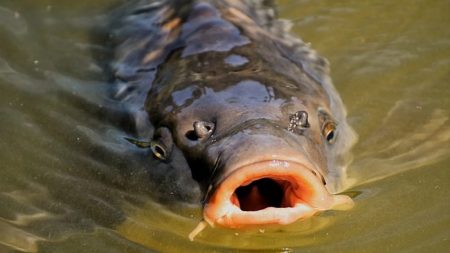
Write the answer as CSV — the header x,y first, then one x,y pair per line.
x,y
305,195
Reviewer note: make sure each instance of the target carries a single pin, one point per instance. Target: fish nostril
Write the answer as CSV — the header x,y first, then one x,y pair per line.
x,y
202,129
191,135
298,121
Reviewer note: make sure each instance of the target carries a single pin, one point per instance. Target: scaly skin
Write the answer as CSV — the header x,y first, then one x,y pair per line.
x,y
241,99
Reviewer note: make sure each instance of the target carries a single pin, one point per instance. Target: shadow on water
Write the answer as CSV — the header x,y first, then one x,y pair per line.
x,y
70,182
67,170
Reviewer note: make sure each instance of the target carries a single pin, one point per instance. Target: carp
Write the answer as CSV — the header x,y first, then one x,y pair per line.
x,y
249,107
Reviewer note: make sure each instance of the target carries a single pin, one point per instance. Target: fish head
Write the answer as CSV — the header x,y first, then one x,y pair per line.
x,y
261,154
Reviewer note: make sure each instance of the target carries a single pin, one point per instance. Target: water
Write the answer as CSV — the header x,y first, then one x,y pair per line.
x,y
70,183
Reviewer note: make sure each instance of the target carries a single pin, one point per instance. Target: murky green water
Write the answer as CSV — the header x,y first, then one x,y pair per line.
x,y
69,182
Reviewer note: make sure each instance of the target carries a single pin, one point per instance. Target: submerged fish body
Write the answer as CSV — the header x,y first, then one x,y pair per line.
x,y
248,107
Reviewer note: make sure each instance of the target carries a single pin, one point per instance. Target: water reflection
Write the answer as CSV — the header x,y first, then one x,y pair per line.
x,y
69,182
236,60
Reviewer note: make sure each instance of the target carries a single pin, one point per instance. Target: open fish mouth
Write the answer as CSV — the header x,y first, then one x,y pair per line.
x,y
269,192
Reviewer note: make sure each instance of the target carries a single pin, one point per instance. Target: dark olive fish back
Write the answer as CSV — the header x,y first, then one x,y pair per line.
x,y
147,31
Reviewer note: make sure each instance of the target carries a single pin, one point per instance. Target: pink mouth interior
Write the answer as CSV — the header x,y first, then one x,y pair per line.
x,y
269,192
263,193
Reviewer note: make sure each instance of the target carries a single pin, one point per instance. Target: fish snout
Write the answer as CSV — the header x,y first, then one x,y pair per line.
x,y
268,187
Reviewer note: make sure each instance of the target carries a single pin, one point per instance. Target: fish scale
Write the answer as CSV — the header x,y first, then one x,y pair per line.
x,y
270,122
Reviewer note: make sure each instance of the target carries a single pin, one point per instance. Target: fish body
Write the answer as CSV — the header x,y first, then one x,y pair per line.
x,y
247,106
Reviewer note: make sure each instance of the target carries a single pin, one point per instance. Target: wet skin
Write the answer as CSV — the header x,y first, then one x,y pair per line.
x,y
249,107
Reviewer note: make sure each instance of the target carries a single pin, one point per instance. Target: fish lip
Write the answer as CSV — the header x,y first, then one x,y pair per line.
x,y
312,198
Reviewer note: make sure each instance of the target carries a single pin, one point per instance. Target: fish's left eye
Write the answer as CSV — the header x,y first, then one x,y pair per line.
x,y
158,147
329,131
158,151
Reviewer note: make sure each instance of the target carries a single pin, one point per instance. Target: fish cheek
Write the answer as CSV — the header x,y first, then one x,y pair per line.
x,y
200,163
174,150
192,131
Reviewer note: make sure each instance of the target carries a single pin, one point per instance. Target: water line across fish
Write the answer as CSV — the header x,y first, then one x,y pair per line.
x,y
250,108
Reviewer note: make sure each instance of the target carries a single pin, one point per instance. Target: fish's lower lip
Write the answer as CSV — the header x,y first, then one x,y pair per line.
x,y
302,195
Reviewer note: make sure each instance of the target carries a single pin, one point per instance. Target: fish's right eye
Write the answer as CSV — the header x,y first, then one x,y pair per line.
x,y
329,131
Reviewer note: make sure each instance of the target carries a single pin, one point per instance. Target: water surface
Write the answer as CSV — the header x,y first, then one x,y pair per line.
x,y
70,183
